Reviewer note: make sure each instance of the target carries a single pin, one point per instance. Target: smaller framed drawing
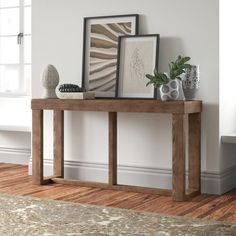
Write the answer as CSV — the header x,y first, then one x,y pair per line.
x,y
137,56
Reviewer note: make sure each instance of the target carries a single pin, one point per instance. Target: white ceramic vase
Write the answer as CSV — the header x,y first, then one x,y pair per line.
x,y
50,80
191,81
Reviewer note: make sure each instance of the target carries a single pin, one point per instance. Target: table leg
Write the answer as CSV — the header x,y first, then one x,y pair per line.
x,y
112,148
194,152
37,147
58,132
178,161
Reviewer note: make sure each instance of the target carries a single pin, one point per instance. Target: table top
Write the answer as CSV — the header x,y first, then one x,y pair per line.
x,y
118,105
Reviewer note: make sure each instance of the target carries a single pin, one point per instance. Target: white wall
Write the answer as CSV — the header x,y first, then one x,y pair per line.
x,y
15,111
15,117
227,80
187,27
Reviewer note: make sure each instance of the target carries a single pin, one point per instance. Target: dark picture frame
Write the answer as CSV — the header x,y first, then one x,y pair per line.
x,y
138,55
100,51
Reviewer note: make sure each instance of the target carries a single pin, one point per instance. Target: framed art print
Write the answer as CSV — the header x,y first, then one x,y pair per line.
x,y
137,56
101,35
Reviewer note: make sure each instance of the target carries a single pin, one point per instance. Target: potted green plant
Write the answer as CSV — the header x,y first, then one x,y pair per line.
x,y
170,85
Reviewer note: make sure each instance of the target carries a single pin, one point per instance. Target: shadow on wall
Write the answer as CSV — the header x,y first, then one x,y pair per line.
x,y
227,156
210,137
170,47
78,139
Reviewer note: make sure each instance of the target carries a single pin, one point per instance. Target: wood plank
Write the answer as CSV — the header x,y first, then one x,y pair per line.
x,y
79,183
37,146
81,191
159,205
192,107
48,179
4,166
115,198
178,159
226,203
195,204
134,201
179,207
58,134
192,193
54,193
194,151
209,207
224,209
112,162
11,182
137,189
118,105
98,196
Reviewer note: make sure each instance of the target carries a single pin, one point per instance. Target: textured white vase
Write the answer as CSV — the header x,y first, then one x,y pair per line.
x,y
172,90
191,81
50,80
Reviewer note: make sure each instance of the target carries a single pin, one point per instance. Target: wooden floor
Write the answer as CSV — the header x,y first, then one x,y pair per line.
x,y
14,180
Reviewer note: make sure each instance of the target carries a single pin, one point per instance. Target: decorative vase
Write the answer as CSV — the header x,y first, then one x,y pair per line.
x,y
172,90
50,80
191,81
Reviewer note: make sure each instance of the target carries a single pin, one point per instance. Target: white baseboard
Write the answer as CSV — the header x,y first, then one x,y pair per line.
x,y
212,182
15,155
228,179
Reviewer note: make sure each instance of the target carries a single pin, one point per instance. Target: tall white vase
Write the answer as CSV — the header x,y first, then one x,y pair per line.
x,y
191,80
50,80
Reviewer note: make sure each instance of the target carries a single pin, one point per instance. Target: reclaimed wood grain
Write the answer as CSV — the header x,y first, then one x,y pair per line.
x,y
137,189
118,105
178,109
58,143
112,148
194,155
37,146
178,156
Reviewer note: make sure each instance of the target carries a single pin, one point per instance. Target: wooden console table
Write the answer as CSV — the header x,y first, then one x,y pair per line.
x,y
180,110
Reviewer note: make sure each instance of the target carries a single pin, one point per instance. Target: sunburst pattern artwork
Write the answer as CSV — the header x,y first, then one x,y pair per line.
x,y
103,54
101,40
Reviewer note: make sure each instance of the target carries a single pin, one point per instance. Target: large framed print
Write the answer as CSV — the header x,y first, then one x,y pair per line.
x,y
101,36
137,56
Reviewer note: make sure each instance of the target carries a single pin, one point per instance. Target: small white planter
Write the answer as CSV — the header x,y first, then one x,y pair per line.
x,y
172,90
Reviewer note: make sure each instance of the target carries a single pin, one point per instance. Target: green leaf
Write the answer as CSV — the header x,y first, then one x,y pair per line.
x,y
150,76
176,68
185,59
188,65
185,66
163,78
155,72
166,77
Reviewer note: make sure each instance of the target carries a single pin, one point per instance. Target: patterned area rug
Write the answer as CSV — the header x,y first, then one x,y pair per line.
x,y
30,216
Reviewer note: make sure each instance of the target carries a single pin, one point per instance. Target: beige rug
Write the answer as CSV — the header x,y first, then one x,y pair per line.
x,y
29,216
